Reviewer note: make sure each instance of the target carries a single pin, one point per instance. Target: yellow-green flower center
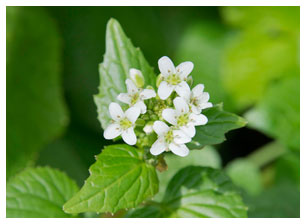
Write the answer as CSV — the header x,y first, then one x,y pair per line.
x,y
158,108
134,98
125,123
169,137
173,79
183,119
194,101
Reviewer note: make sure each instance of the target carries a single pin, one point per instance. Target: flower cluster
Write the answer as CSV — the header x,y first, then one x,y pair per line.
x,y
172,113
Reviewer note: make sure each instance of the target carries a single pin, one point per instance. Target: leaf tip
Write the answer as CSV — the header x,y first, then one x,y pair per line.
x,y
112,22
66,208
242,121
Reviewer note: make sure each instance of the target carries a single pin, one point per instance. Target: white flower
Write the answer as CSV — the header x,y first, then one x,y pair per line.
x,y
196,98
169,139
123,123
174,78
135,96
182,118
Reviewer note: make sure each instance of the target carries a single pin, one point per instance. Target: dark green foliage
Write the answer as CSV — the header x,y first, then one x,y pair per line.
x,y
36,113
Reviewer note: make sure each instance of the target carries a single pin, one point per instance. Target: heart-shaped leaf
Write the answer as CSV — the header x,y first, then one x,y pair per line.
x,y
120,178
199,192
39,193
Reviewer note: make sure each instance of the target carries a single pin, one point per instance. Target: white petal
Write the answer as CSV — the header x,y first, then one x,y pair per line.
x,y
197,90
189,130
158,147
147,94
203,98
115,111
129,136
124,97
160,128
131,88
164,90
132,113
180,150
195,110
166,66
198,119
184,69
141,105
206,105
183,89
112,131
180,105
170,116
180,137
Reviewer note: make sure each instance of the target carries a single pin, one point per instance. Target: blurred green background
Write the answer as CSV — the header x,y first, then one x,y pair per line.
x,y
247,57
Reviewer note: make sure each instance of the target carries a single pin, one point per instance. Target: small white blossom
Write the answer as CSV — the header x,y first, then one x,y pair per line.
x,y
123,123
174,78
169,139
196,98
135,96
182,117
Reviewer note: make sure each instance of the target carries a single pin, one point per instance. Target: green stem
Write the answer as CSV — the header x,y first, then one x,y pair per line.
x,y
267,154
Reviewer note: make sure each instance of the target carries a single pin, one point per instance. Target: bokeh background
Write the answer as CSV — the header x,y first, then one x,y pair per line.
x,y
247,57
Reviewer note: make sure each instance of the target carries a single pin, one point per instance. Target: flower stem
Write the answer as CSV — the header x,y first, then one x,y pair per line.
x,y
267,154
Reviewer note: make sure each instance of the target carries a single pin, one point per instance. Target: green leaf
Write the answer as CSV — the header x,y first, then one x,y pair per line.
x,y
119,179
39,193
36,112
120,56
197,192
248,69
278,114
266,49
245,175
219,122
208,157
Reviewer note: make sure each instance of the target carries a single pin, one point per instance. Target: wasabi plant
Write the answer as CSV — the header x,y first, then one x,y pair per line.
x,y
151,147
147,117
154,115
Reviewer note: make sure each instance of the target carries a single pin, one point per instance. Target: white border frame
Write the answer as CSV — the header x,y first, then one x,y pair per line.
x,y
4,3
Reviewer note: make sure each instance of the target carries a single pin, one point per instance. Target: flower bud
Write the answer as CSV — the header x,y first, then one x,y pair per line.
x,y
148,128
159,80
137,77
190,80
